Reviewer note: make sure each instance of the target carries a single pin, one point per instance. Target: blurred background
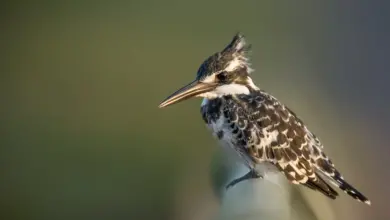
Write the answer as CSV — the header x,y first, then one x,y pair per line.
x,y
81,134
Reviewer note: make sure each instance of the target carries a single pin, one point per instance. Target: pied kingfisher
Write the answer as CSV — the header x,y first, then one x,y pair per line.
x,y
263,131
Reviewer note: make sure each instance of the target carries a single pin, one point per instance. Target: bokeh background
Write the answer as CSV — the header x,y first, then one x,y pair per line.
x,y
81,134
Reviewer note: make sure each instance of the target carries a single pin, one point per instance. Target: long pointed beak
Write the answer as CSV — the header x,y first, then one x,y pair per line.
x,y
194,88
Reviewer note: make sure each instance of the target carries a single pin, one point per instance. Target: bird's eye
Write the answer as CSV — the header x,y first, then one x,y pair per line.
x,y
222,76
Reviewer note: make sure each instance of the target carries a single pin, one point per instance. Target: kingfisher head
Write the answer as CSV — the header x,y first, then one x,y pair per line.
x,y
224,73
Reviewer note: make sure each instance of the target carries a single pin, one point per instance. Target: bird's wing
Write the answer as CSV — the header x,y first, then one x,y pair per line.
x,y
283,140
286,142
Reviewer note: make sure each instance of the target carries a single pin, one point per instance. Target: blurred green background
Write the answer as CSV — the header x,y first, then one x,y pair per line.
x,y
81,134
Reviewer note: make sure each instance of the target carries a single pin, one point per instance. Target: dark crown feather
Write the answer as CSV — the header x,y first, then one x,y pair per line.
x,y
236,49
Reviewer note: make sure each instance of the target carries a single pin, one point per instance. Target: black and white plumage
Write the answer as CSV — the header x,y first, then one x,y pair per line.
x,y
257,126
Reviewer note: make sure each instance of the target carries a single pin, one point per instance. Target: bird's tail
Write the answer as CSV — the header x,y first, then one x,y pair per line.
x,y
350,190
320,185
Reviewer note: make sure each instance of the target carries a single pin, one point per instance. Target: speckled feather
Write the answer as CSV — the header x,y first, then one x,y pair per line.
x,y
261,129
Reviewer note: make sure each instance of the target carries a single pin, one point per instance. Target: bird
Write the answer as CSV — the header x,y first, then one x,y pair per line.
x,y
260,129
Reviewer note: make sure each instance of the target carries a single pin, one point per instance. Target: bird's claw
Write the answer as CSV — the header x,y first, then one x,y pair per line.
x,y
252,174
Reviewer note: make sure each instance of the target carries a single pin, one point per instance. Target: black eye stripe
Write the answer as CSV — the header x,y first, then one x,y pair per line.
x,y
222,76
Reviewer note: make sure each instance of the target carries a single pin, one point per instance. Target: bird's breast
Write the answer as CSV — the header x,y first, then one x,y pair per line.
x,y
217,122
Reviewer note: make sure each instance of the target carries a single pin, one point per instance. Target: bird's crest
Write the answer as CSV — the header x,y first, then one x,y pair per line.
x,y
234,56
238,45
238,50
